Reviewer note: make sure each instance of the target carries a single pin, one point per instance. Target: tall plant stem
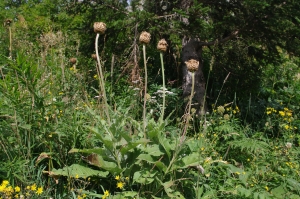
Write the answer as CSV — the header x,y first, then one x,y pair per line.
x,y
164,87
189,110
102,85
145,91
10,42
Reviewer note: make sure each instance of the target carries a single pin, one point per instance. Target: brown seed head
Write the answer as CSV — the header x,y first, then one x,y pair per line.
x,y
73,60
94,56
7,22
99,27
162,45
192,65
145,37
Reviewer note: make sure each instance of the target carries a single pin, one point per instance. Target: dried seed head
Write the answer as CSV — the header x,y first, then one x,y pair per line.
x,y
73,60
192,65
99,27
7,22
145,37
94,56
162,45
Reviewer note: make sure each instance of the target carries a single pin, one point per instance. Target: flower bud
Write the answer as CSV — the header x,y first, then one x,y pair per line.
x,y
145,37
162,45
99,27
192,65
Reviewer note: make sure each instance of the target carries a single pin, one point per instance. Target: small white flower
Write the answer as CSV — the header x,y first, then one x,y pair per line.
x,y
288,145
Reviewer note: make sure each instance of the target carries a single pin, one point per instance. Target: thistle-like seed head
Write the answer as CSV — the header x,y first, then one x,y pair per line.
x,y
7,22
145,37
99,27
162,45
94,56
73,60
192,65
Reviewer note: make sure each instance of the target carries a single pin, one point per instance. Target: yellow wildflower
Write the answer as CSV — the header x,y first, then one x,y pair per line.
x,y
17,189
282,113
120,185
117,177
39,191
267,188
33,187
286,127
77,176
5,182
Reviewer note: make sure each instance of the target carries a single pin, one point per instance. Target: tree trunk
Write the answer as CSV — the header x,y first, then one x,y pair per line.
x,y
193,50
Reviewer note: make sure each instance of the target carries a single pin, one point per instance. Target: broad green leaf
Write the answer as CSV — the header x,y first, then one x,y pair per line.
x,y
144,177
153,150
166,145
199,192
278,191
132,145
295,185
77,171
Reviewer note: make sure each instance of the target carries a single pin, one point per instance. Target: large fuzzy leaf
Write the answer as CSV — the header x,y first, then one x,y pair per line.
x,y
77,170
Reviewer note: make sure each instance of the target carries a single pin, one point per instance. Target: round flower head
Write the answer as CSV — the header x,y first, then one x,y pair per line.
x,y
73,60
7,22
145,37
94,56
99,27
192,65
162,45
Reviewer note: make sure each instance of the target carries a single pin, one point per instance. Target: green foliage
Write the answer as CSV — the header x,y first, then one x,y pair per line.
x,y
54,134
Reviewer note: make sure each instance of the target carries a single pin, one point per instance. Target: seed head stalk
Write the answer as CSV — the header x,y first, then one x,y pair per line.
x,y
189,109
164,87
102,84
145,91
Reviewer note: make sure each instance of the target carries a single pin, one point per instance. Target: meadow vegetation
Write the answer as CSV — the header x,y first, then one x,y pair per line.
x,y
90,126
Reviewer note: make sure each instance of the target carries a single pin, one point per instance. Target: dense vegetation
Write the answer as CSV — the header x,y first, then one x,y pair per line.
x,y
101,114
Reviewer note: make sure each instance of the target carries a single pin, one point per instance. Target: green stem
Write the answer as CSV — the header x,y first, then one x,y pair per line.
x,y
10,42
164,87
145,91
189,109
102,85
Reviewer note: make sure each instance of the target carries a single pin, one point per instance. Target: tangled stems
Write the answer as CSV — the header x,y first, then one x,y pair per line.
x,y
102,85
164,87
145,89
189,109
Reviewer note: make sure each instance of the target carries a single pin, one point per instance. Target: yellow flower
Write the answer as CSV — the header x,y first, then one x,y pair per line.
x,y
77,176
286,127
281,113
17,189
117,177
267,188
39,191
5,182
120,185
106,193
269,112
33,187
